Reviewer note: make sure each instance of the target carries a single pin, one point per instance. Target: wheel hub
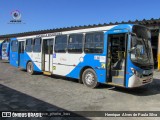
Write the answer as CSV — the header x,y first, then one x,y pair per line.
x,y
89,78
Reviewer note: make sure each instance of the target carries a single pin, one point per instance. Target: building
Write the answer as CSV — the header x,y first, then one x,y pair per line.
x,y
152,24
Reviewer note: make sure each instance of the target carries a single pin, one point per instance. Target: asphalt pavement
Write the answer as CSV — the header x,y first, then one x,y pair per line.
x,y
20,91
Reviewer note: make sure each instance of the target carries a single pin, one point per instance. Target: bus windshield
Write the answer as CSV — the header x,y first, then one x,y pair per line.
x,y
141,50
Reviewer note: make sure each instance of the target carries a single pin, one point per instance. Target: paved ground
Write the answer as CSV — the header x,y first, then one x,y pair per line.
x,y
20,91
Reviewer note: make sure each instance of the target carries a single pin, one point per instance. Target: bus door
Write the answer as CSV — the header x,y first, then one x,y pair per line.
x,y
14,52
21,62
47,55
116,59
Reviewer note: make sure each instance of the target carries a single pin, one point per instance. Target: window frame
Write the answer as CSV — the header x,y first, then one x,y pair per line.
x,y
93,36
15,46
65,51
82,43
29,45
35,45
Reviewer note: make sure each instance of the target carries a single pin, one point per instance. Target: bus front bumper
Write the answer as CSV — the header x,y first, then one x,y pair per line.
x,y
135,81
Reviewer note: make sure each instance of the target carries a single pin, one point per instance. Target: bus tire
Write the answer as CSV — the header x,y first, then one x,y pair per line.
x,y
89,78
30,68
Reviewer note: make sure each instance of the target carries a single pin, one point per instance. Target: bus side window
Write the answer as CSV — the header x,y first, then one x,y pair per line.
x,y
37,45
60,44
94,42
28,45
14,46
75,43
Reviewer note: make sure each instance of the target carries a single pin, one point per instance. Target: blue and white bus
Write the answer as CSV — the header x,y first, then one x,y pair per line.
x,y
5,49
118,55
1,49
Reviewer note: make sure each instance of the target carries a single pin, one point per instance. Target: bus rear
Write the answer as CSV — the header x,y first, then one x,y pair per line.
x,y
0,51
5,51
1,41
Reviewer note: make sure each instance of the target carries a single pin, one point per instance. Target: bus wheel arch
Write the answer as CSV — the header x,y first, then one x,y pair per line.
x,y
81,73
30,67
89,77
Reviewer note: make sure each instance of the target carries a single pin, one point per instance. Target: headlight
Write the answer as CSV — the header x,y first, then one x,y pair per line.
x,y
136,73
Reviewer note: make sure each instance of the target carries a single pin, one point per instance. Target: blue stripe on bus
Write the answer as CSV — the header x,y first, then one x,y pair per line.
x,y
26,59
23,64
14,59
94,64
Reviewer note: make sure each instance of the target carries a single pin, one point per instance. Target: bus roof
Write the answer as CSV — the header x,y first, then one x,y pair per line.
x,y
82,30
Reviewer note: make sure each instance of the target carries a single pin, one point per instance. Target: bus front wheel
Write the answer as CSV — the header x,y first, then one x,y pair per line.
x,y
89,78
30,68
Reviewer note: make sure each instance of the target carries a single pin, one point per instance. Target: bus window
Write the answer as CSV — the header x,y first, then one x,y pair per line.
x,y
28,45
75,43
60,44
21,47
14,46
94,42
37,45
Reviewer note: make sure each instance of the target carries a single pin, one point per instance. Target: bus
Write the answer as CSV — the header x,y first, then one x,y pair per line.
x,y
5,50
1,49
118,55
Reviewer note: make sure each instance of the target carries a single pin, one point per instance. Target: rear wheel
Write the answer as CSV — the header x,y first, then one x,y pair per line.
x,y
30,68
89,78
